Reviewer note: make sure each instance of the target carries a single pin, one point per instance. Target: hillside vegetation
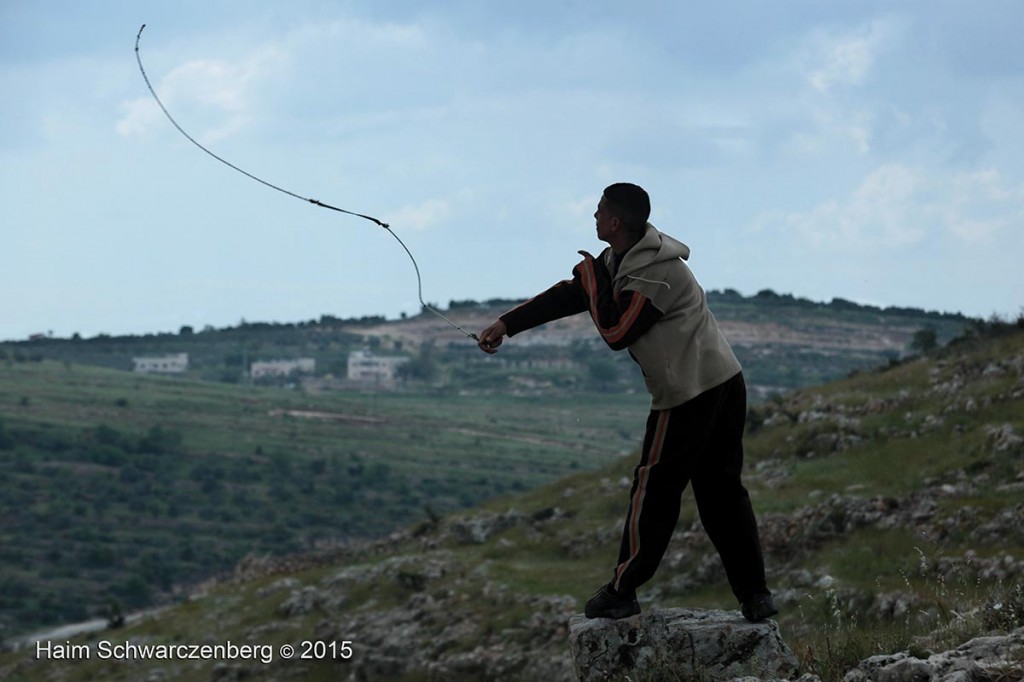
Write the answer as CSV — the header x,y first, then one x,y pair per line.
x,y
120,489
890,505
783,342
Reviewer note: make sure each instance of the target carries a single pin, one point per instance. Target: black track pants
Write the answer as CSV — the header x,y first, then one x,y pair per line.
x,y
700,441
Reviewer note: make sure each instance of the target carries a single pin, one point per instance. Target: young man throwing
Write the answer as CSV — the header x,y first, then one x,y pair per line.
x,y
642,297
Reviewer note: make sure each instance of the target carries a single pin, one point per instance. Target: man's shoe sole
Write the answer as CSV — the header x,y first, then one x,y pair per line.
x,y
614,614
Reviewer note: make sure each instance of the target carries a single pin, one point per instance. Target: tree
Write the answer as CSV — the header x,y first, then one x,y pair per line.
x,y
602,373
423,367
6,439
161,440
732,295
924,340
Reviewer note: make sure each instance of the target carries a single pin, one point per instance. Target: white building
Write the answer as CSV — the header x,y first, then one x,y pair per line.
x,y
365,367
166,364
282,368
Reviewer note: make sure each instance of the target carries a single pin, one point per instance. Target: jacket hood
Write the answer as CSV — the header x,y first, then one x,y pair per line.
x,y
653,247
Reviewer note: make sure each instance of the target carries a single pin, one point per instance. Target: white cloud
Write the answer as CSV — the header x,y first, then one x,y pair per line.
x,y
420,217
831,91
835,59
982,205
861,135
583,208
899,206
215,93
139,116
351,34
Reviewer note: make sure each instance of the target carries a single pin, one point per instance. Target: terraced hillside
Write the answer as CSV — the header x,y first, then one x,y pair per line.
x,y
123,489
890,505
782,341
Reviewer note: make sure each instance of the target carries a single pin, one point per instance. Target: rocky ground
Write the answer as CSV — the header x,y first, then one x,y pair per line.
x,y
437,601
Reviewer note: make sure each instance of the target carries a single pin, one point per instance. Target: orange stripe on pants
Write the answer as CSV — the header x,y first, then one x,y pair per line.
x,y
637,503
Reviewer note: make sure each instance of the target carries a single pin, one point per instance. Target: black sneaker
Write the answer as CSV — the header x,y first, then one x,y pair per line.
x,y
607,603
759,608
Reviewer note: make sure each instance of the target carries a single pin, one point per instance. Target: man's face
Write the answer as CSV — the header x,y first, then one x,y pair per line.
x,y
607,224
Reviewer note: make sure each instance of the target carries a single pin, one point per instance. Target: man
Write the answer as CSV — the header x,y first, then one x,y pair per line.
x,y
642,296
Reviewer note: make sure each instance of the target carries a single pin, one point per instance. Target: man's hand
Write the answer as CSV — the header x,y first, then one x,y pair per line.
x,y
491,337
594,275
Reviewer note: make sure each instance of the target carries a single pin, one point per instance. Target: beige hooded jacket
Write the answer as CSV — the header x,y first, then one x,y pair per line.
x,y
684,353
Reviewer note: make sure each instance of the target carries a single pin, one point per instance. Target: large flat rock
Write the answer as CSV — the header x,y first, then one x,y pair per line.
x,y
678,644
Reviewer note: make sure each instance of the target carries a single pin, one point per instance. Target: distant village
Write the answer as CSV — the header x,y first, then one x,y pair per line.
x,y
365,368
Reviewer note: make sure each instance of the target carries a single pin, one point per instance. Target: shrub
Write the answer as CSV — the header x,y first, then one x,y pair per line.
x,y
1005,609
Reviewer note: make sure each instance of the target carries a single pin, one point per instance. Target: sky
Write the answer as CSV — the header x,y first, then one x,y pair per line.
x,y
865,150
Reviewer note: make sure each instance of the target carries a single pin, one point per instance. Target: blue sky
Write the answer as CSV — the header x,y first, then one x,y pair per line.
x,y
863,150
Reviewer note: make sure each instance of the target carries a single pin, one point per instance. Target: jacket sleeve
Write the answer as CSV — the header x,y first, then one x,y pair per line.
x,y
621,319
563,299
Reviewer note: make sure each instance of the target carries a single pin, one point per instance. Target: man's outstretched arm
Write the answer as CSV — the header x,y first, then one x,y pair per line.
x,y
563,299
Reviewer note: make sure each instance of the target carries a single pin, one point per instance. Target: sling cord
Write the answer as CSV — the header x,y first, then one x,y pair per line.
x,y
315,202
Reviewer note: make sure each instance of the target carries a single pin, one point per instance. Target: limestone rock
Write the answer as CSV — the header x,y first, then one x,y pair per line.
x,y
678,643
477,528
999,657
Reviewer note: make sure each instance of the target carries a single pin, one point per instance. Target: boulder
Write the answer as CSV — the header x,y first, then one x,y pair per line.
x,y
476,529
678,644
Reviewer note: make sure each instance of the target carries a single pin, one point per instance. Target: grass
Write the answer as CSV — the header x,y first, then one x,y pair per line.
x,y
243,471
835,639
220,416
915,585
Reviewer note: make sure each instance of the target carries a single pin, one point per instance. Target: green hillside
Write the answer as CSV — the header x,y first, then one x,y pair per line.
x,y
123,488
890,505
784,342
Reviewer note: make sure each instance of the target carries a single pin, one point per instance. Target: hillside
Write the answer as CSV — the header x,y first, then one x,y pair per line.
x,y
890,505
782,341
122,488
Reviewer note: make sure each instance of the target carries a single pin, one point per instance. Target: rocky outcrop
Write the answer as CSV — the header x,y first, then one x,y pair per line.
x,y
982,658
440,625
678,644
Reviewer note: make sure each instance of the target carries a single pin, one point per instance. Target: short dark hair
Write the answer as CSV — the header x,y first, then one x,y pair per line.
x,y
630,204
